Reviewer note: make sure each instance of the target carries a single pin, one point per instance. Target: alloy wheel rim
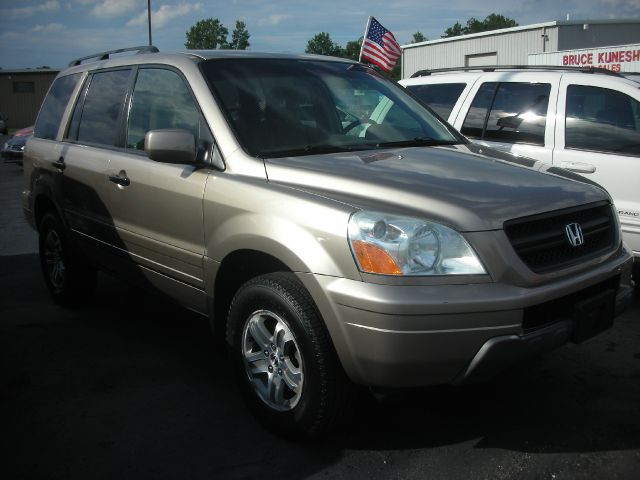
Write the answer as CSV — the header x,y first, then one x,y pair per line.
x,y
53,259
272,360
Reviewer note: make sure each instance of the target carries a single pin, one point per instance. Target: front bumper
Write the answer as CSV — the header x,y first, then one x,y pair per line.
x,y
408,335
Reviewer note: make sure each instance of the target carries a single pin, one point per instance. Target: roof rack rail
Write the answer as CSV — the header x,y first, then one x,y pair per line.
x,y
106,55
493,68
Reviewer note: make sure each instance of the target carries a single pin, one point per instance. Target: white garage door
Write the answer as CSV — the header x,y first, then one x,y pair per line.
x,y
481,59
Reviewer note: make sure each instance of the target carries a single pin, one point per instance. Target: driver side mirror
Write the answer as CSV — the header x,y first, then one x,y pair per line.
x,y
170,145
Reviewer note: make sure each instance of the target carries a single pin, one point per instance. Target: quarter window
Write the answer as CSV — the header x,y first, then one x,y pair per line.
x,y
53,107
100,118
602,120
440,97
509,112
160,100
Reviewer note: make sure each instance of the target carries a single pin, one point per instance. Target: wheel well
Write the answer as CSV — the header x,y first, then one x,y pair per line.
x,y
236,269
42,205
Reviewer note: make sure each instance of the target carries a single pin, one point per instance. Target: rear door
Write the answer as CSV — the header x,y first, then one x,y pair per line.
x,y
598,136
513,112
91,140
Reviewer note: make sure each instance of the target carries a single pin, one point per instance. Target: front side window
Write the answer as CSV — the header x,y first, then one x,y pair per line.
x,y
100,117
602,120
54,105
441,97
509,112
300,107
160,100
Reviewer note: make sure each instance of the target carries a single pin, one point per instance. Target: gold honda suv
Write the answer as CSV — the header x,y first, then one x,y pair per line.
x,y
335,231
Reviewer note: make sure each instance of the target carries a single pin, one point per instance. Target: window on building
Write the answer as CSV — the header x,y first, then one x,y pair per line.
x,y
54,105
602,120
102,110
441,97
517,112
24,87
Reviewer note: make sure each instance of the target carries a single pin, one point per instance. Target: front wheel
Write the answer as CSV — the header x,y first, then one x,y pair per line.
x,y
69,280
285,362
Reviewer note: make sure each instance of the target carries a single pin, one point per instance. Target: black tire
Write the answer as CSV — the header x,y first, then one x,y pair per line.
x,y
325,398
70,280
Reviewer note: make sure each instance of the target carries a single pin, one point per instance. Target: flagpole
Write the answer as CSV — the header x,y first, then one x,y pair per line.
x,y
366,29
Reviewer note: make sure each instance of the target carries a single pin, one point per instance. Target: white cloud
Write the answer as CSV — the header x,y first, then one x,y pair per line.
x,y
48,6
273,19
49,28
164,14
114,8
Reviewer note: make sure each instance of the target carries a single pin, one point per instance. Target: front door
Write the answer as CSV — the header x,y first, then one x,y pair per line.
x,y
158,207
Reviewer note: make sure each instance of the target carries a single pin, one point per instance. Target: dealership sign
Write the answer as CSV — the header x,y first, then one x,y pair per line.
x,y
623,58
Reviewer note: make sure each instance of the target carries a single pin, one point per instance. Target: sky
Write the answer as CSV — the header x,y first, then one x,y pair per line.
x,y
53,32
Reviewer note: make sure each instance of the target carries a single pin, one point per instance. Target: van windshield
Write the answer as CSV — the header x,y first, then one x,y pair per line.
x,y
290,107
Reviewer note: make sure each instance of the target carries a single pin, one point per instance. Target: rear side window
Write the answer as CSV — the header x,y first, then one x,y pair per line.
x,y
102,110
602,120
440,97
54,105
509,112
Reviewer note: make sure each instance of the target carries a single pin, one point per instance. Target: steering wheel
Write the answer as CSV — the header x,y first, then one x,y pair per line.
x,y
357,122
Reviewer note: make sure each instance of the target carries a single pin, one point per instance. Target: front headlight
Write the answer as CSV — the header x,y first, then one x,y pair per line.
x,y
396,245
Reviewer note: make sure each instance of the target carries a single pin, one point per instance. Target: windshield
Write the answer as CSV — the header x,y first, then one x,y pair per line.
x,y
296,107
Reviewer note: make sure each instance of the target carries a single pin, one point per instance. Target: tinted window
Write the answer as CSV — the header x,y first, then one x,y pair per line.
x,y
473,125
518,113
160,100
99,122
440,97
602,120
54,105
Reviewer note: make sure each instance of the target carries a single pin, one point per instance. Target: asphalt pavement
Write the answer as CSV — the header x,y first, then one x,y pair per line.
x,y
132,386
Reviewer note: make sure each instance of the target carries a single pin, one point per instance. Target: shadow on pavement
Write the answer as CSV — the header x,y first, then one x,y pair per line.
x,y
133,386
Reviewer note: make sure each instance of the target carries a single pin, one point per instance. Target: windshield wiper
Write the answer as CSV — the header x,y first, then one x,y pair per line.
x,y
417,142
310,150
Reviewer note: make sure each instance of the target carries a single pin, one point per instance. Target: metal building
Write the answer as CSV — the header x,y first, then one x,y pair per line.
x,y
511,46
22,92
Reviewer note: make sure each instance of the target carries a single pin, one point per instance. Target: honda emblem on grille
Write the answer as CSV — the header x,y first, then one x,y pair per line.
x,y
574,234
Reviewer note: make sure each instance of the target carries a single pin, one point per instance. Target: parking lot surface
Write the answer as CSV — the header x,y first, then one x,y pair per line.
x,y
132,386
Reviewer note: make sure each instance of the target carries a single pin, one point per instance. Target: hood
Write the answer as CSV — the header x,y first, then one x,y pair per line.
x,y
467,187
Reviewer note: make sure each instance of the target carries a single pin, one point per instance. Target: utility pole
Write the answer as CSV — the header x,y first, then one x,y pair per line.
x,y
149,17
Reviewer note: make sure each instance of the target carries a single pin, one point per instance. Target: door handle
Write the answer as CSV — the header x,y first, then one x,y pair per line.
x,y
120,179
578,167
59,164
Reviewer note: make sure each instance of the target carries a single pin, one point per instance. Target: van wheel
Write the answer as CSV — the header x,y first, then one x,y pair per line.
x,y
70,282
284,360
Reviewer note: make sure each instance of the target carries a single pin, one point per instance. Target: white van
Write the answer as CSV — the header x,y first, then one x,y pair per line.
x,y
585,120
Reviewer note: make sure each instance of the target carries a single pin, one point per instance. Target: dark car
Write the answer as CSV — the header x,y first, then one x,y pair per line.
x,y
13,148
3,124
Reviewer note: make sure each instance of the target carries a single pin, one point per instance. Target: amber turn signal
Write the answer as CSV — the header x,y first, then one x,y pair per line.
x,y
373,259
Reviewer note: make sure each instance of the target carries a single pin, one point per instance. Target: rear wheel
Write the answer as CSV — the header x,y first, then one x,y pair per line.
x,y
69,280
284,360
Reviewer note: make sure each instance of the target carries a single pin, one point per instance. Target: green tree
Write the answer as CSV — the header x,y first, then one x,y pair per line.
x,y
493,21
240,36
418,37
321,44
352,49
454,30
207,34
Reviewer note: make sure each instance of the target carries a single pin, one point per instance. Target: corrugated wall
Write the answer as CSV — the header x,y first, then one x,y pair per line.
x,y
512,49
599,35
22,107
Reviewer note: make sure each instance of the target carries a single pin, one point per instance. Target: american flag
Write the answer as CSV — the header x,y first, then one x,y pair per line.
x,y
380,46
